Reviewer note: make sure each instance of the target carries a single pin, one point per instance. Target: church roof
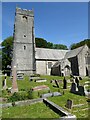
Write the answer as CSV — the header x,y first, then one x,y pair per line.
x,y
74,52
50,54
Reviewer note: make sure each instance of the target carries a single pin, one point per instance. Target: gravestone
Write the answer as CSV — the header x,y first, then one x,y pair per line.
x,y
81,90
69,104
73,88
80,78
51,94
4,82
40,80
57,83
20,77
56,94
41,87
64,83
14,81
77,82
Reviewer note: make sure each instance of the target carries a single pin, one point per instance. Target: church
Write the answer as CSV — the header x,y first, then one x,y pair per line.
x,y
31,60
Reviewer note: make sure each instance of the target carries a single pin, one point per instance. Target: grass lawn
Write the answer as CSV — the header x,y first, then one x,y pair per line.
x,y
39,110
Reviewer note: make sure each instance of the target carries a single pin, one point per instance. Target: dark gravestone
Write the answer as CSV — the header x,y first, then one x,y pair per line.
x,y
56,83
81,90
73,88
64,83
69,104
77,81
80,78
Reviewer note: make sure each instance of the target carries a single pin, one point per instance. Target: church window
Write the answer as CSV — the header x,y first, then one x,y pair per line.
x,y
49,65
24,35
24,47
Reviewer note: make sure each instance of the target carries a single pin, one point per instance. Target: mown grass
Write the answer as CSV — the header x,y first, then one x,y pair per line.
x,y
25,85
37,110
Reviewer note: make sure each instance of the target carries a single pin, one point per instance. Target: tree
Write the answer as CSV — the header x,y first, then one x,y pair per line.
x,y
7,46
60,46
41,43
49,45
76,45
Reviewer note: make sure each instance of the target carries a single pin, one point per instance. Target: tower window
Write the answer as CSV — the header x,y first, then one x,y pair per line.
x,y
24,47
24,35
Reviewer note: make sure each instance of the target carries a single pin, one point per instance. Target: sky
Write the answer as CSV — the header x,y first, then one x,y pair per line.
x,y
57,22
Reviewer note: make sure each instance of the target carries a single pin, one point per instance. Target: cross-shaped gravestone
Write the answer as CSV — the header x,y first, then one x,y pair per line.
x,y
14,81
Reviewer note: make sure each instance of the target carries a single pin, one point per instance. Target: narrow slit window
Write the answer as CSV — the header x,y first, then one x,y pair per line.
x,y
24,47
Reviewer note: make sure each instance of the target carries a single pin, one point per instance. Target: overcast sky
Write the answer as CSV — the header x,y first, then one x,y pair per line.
x,y
57,22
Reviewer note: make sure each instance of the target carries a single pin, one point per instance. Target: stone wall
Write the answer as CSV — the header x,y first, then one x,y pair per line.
x,y
42,67
82,61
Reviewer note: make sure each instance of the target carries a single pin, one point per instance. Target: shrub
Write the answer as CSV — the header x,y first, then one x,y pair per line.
x,y
23,95
18,96
30,94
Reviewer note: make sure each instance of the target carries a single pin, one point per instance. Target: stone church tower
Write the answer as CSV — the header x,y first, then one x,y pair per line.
x,y
24,42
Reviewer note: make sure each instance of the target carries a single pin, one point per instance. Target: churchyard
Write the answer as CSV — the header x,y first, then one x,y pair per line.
x,y
49,87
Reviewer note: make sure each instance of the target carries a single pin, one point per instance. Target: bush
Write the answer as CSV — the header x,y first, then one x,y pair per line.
x,y
30,94
18,96
23,95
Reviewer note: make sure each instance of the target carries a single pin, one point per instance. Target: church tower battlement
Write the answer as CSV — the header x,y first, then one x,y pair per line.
x,y
24,42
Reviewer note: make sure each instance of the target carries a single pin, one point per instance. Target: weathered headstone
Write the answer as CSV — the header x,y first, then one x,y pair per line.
x,y
57,83
64,83
80,78
77,81
73,88
81,90
4,82
56,94
14,81
69,104
51,94
42,87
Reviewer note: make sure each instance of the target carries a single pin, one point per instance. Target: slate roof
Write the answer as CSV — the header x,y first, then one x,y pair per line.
x,y
74,52
50,54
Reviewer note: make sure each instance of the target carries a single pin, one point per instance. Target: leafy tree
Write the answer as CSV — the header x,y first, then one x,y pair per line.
x,y
60,46
41,43
76,45
49,45
7,45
